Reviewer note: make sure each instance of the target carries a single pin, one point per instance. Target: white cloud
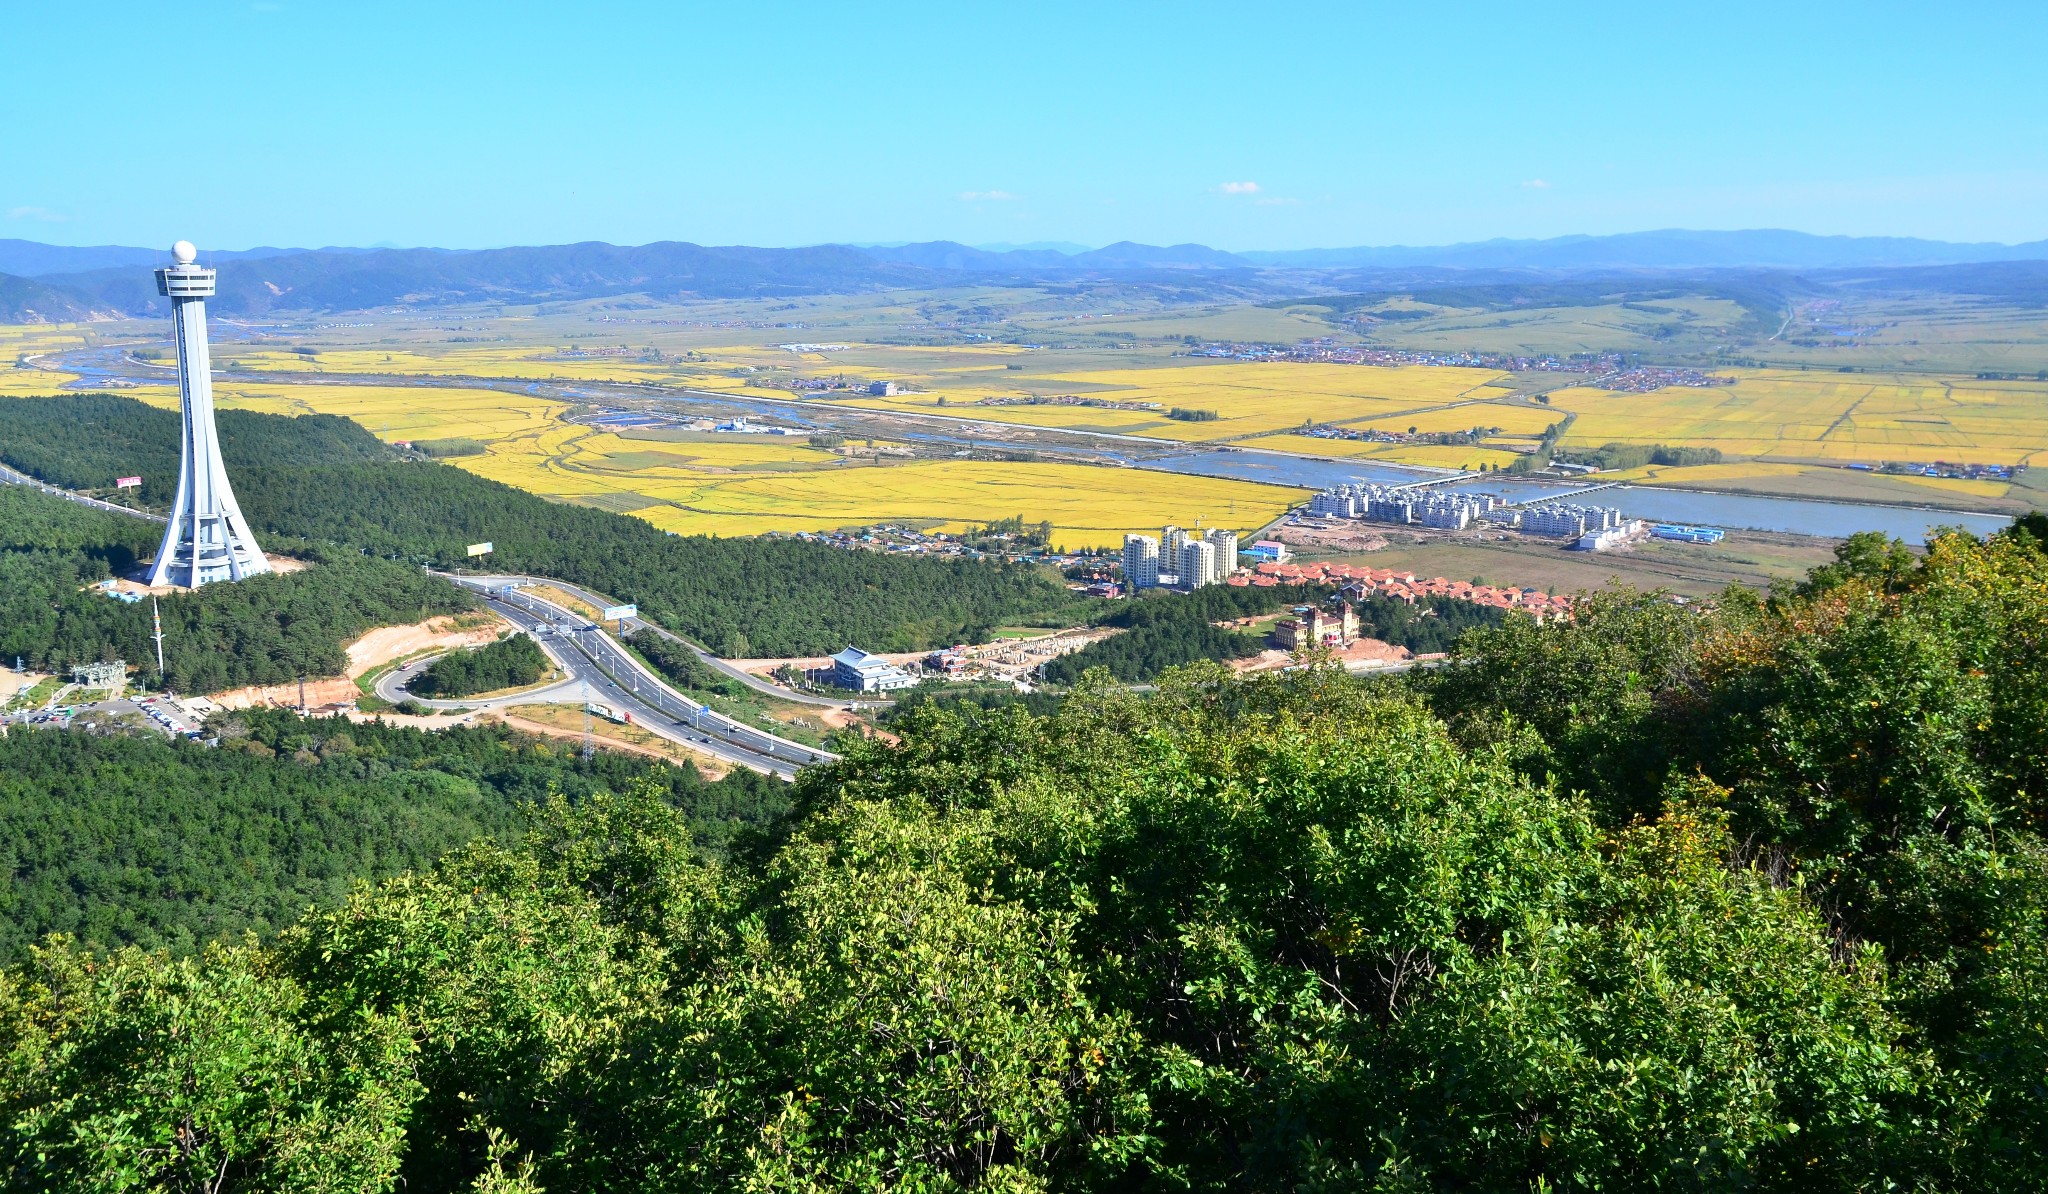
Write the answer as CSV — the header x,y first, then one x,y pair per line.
x,y
987,196
1239,188
43,214
1535,184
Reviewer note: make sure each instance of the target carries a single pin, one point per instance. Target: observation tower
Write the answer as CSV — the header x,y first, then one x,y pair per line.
x,y
207,538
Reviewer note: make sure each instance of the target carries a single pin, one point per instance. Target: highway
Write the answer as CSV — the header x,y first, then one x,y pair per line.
x,y
615,678
633,625
597,664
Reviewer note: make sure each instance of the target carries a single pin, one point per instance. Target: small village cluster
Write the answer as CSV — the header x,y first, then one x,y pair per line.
x,y
1329,351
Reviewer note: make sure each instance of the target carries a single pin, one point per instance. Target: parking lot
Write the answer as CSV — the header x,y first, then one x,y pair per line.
x,y
163,714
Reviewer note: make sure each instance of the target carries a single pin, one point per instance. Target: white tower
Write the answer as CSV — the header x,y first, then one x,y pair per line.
x,y
1141,562
207,538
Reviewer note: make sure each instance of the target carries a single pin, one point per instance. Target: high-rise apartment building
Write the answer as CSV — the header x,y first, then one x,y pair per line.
x,y
1171,540
1224,544
1141,561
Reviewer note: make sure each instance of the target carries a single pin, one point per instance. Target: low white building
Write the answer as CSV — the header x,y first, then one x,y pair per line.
x,y
863,671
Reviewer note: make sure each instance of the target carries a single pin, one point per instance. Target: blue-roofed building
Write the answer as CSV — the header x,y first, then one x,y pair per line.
x,y
862,671
1685,534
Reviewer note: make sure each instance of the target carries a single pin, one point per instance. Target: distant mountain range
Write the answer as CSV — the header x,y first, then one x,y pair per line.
x,y
30,259
1667,249
1673,248
50,282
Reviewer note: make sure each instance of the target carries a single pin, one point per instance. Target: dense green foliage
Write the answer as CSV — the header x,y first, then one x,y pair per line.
x,y
738,597
1163,629
1428,626
1750,897
1874,738
1192,415
680,665
149,841
735,596
511,662
85,441
971,699
1546,447
1622,456
1012,533
1166,630
1273,934
449,447
266,630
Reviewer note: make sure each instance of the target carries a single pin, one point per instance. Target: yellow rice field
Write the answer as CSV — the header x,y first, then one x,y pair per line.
x,y
748,486
1088,507
388,412
502,363
1249,399
1827,416
745,485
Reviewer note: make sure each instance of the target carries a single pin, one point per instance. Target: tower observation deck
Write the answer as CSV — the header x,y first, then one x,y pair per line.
x,y
207,539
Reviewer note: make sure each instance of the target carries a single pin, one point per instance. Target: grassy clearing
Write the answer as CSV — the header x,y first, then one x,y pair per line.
x,y
566,600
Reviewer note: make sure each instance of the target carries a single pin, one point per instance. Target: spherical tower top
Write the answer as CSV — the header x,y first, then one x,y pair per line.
x,y
184,253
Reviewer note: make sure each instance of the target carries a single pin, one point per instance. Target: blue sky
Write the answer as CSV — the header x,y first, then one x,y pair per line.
x,y
1243,126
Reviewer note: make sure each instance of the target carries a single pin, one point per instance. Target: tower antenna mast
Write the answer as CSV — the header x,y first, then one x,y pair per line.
x,y
156,617
206,538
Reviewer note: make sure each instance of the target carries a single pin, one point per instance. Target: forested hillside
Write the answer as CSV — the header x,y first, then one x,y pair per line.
x,y
1165,629
512,662
265,630
739,597
145,841
1749,898
735,596
86,441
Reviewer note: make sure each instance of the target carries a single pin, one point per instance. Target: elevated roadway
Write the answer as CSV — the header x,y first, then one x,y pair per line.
x,y
10,476
633,625
616,678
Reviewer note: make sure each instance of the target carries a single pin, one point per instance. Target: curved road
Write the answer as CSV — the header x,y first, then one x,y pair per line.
x,y
632,625
596,664
618,679
602,673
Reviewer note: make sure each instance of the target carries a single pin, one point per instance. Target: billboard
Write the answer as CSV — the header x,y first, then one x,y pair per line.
x,y
619,613
128,482
477,549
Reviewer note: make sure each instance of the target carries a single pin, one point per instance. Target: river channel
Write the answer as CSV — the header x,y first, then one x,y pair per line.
x,y
1729,511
